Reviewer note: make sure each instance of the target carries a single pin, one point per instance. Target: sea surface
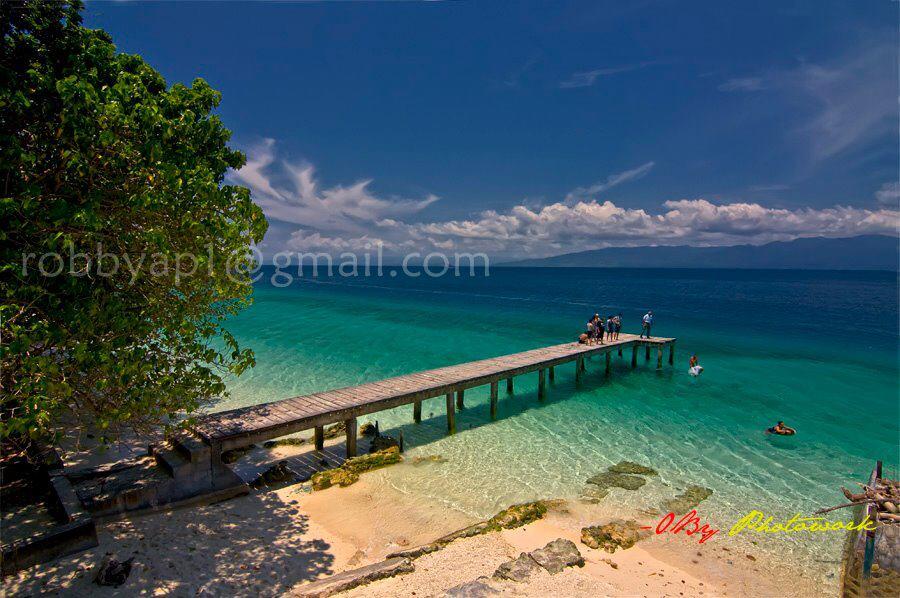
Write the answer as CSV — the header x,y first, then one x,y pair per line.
x,y
818,350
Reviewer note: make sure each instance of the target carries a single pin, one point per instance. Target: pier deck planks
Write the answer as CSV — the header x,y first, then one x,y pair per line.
x,y
244,426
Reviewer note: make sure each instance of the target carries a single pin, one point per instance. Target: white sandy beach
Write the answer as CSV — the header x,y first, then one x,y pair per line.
x,y
271,541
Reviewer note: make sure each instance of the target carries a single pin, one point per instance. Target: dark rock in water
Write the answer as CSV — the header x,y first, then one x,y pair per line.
x,y
687,500
429,459
111,572
367,429
557,555
380,443
474,589
617,480
593,493
519,569
613,535
632,468
348,473
276,474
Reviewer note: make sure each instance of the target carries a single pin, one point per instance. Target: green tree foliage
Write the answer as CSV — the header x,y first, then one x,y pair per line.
x,y
97,155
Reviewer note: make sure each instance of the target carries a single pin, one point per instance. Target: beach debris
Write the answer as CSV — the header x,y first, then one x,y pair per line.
x,y
632,468
234,454
477,588
111,572
885,495
611,479
348,473
276,474
422,460
518,569
611,563
687,500
367,429
613,535
557,555
341,582
290,441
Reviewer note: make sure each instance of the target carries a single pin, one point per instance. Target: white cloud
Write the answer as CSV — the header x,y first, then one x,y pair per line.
x,y
588,78
352,219
841,105
559,227
889,194
611,181
346,209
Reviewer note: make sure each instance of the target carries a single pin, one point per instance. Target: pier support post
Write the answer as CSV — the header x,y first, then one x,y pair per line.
x,y
608,357
541,383
319,437
460,399
552,374
451,414
417,412
582,366
494,393
620,351
351,437
579,367
659,357
634,356
647,356
672,353
509,385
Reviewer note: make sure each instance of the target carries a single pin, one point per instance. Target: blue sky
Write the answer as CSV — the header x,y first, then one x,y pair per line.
x,y
530,129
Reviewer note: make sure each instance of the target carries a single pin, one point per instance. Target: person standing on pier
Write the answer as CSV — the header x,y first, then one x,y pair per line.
x,y
646,323
618,325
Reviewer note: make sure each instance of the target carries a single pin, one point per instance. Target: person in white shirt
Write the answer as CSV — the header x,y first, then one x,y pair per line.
x,y
646,323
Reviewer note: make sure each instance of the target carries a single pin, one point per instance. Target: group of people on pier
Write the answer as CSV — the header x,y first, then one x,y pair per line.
x,y
597,326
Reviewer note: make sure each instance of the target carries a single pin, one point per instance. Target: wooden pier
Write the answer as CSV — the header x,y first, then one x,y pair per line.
x,y
241,427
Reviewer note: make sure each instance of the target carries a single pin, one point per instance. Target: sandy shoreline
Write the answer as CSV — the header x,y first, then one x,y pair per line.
x,y
275,539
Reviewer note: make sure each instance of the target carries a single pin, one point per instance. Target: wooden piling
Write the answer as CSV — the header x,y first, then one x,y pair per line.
x,y
460,399
451,414
672,353
351,437
647,356
541,383
659,357
634,356
494,393
509,385
552,375
319,437
417,412
620,351
579,367
608,358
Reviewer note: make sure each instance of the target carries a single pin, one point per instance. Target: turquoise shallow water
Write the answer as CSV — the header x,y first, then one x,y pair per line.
x,y
818,350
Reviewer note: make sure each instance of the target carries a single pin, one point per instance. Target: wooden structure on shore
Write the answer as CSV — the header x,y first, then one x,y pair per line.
x,y
241,427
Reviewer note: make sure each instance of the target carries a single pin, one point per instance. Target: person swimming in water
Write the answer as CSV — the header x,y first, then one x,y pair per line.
x,y
693,361
781,429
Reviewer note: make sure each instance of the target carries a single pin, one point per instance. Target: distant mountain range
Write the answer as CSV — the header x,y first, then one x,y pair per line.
x,y
866,252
